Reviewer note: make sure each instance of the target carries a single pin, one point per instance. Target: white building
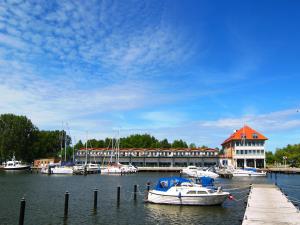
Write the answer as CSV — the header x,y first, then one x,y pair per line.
x,y
245,148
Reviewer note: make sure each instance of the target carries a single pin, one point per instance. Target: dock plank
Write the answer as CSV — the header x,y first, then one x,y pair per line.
x,y
268,205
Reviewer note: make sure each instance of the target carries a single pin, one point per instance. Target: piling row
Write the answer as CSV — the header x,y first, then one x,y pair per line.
x,y
67,197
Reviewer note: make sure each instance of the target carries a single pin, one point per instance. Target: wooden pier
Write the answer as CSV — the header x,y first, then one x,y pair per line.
x,y
287,170
268,205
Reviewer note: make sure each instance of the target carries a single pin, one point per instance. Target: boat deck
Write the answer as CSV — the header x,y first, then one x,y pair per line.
x,y
268,205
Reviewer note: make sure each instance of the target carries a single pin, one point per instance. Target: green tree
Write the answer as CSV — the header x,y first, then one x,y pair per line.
x,y
165,144
78,145
17,136
179,144
270,158
192,146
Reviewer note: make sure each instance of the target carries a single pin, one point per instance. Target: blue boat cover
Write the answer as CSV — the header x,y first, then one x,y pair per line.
x,y
206,181
166,183
67,163
251,169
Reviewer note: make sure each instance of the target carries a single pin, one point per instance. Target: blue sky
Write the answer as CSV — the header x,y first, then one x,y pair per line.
x,y
194,70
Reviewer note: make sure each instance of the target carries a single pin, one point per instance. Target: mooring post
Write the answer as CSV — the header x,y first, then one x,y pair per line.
x,y
22,211
66,204
95,198
148,186
118,195
135,191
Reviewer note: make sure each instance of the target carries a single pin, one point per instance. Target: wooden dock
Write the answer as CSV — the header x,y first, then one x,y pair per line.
x,y
287,170
268,205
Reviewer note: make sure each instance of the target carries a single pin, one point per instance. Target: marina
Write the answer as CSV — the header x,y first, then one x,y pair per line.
x,y
118,194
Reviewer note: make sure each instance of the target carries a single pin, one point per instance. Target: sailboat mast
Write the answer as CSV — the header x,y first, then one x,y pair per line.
x,y
118,147
86,148
65,146
74,150
61,145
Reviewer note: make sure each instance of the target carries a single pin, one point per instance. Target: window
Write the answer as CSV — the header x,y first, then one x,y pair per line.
x,y
255,135
191,192
202,192
237,152
237,143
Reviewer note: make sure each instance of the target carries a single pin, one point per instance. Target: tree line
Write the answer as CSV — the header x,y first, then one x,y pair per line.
x,y
135,141
21,138
289,155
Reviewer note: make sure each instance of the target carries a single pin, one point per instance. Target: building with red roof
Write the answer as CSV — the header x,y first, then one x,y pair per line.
x,y
245,148
173,157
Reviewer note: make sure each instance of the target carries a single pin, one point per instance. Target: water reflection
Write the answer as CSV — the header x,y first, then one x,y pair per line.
x,y
174,214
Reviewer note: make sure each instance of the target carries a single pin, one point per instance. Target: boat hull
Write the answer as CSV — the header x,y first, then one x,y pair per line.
x,y
17,168
249,175
61,170
204,200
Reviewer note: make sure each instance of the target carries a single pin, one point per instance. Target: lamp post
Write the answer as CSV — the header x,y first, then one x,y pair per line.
x,y
284,161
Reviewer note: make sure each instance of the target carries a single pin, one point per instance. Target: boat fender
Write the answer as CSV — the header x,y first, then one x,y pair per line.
x,y
179,195
219,189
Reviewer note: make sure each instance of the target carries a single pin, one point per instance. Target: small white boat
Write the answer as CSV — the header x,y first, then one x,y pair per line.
x,y
15,165
61,170
181,191
92,168
247,172
112,169
193,171
129,169
78,169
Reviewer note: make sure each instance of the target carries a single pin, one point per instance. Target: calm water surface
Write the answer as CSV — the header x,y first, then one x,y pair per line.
x,y
45,200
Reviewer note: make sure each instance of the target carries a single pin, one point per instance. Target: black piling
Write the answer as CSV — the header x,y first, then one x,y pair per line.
x,y
148,186
135,191
95,198
118,194
22,211
66,204
85,171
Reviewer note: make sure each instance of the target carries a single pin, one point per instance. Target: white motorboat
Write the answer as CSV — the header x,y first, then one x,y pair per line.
x,y
112,169
78,169
15,165
247,172
193,171
62,170
129,168
181,191
92,168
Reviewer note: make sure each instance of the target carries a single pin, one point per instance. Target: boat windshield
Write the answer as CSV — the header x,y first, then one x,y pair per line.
x,y
165,184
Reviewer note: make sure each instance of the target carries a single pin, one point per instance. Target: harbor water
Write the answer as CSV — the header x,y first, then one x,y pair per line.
x,y
45,199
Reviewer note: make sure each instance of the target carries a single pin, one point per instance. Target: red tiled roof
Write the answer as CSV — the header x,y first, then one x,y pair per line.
x,y
247,133
151,149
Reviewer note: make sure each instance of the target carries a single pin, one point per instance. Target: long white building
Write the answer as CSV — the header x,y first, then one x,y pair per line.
x,y
244,148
